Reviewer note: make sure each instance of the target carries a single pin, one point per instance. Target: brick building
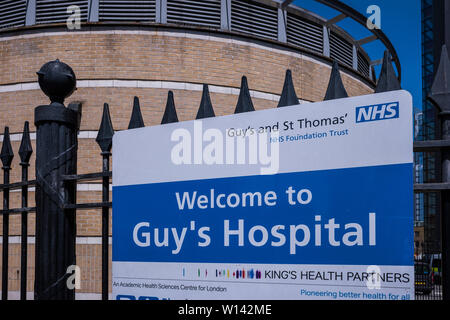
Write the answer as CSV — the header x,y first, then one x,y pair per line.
x,y
123,50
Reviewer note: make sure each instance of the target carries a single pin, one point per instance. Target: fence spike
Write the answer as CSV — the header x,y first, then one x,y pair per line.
x,y
136,120
170,113
440,90
206,109
288,96
244,103
336,89
388,80
25,149
7,154
106,131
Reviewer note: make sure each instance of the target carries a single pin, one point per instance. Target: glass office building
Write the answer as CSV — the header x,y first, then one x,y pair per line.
x,y
433,37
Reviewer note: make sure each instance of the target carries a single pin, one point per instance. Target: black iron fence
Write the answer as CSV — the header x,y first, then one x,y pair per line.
x,y
55,190
56,179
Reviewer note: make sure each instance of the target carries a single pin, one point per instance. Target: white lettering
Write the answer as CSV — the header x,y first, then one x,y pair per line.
x,y
146,235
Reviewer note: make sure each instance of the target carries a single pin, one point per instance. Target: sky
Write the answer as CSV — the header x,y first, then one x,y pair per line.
x,y
401,23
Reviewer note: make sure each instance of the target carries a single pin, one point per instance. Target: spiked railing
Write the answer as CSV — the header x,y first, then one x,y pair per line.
x,y
25,152
104,139
6,156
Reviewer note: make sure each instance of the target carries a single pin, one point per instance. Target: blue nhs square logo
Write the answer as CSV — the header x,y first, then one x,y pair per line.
x,y
377,112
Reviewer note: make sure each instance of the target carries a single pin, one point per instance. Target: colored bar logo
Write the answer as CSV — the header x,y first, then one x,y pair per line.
x,y
239,274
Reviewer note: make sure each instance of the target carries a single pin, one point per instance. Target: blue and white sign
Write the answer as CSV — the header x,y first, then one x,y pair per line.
x,y
313,201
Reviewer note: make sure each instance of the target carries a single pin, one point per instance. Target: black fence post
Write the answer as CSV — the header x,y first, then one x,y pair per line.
x,y
6,156
56,155
104,140
25,152
105,226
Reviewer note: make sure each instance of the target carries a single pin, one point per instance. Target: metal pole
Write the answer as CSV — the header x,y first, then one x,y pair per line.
x,y
6,156
5,248
105,226
56,155
24,236
25,152
104,140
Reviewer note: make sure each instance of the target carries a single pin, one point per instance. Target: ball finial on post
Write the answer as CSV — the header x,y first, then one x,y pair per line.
x,y
57,80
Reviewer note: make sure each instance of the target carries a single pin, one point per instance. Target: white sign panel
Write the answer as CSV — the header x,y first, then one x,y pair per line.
x,y
313,201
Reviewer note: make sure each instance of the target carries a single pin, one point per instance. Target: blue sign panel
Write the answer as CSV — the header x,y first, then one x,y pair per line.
x,y
349,216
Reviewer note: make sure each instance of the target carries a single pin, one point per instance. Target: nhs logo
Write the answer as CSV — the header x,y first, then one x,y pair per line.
x,y
377,112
